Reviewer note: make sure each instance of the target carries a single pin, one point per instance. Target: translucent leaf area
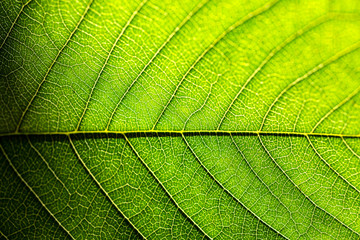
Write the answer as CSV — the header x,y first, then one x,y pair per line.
x,y
186,119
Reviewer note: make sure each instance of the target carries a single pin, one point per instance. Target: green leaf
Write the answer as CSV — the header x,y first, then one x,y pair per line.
x,y
184,119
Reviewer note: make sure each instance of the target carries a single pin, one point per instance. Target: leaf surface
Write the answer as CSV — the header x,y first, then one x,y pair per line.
x,y
180,119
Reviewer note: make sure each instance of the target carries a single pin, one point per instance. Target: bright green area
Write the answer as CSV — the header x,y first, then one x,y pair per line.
x,y
162,119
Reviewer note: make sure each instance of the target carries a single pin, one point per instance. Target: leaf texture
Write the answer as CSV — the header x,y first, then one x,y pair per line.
x,y
207,119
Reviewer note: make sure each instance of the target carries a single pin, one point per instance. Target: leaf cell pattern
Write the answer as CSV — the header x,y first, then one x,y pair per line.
x,y
179,119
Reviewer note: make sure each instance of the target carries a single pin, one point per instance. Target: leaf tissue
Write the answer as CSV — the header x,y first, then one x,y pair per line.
x,y
186,119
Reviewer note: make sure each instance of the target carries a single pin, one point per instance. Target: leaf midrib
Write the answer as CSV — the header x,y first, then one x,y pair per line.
x,y
186,132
